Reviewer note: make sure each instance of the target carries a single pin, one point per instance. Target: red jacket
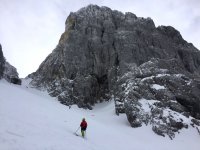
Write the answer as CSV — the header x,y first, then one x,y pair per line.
x,y
83,124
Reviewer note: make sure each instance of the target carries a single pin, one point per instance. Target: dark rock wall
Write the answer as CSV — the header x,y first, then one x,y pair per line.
x,y
102,53
97,46
7,71
2,62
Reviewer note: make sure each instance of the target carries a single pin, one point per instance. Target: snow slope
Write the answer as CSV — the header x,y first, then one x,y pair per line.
x,y
32,120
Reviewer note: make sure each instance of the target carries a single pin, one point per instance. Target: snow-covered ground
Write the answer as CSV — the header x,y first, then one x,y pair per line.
x,y
32,120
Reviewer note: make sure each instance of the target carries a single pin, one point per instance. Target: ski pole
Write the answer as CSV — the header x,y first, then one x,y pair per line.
x,y
77,129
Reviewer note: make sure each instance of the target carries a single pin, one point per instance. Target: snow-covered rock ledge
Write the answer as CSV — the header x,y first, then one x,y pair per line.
x,y
166,99
164,121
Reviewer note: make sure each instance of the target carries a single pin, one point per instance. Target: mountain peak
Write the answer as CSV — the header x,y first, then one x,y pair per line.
x,y
92,9
105,54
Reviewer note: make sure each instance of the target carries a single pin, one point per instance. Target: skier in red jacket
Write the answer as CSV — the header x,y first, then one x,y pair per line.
x,y
83,126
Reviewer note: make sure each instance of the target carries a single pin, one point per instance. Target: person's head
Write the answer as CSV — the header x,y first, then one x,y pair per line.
x,y
83,119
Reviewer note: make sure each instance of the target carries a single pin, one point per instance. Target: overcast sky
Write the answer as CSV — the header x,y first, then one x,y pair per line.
x,y
30,29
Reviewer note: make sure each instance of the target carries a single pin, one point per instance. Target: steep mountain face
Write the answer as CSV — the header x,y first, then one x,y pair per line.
x,y
105,54
2,61
7,71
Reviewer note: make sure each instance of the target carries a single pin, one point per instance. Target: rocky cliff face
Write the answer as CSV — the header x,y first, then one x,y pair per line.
x,y
160,93
2,62
7,71
105,54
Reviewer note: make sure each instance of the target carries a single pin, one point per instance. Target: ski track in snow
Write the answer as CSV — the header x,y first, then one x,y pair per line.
x,y
32,120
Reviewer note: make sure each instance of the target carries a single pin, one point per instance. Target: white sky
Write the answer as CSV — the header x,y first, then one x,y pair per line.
x,y
30,29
